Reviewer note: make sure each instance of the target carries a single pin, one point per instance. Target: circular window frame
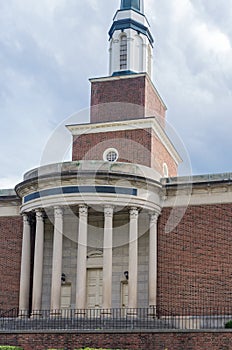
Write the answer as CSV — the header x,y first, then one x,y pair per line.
x,y
106,153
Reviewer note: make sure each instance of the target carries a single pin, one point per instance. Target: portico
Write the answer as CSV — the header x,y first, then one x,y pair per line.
x,y
103,236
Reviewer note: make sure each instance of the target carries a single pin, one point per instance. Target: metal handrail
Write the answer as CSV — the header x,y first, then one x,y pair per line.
x,y
13,312
96,320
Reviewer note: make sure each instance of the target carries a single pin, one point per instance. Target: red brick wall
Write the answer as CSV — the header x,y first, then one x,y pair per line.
x,y
153,104
136,95
129,341
134,146
194,259
138,146
160,155
10,258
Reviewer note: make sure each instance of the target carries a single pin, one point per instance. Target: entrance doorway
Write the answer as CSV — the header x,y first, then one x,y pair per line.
x,y
94,288
65,302
124,297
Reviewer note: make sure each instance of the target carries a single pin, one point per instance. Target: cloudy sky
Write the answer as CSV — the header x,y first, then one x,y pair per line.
x,y
50,48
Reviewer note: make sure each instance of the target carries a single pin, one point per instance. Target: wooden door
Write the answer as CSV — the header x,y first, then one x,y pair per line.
x,y
94,288
124,297
65,303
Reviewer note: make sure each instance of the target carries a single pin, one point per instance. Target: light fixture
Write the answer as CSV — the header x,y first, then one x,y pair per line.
x,y
63,278
126,274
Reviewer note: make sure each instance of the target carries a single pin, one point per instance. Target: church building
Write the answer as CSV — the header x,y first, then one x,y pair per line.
x,y
111,228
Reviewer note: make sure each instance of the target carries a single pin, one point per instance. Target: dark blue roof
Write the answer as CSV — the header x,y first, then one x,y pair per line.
x,y
132,4
123,72
126,23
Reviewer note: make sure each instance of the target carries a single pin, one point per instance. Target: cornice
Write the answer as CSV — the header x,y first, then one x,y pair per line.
x,y
145,123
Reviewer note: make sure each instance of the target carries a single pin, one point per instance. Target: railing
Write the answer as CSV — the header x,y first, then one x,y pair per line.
x,y
97,320
9,313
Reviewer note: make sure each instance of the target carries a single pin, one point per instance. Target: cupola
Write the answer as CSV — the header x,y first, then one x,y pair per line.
x,y
136,5
131,42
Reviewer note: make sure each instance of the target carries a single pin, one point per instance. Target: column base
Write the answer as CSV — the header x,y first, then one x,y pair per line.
x,y
80,313
23,314
55,313
36,314
106,313
132,313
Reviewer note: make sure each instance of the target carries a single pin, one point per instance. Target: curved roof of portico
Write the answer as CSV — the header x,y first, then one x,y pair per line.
x,y
95,183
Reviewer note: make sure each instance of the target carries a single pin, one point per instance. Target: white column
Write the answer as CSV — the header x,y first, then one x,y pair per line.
x,y
25,268
133,259
153,260
107,257
57,260
81,258
38,263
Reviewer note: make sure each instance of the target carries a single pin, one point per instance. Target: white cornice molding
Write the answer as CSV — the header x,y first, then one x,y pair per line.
x,y
145,123
9,210
196,198
117,77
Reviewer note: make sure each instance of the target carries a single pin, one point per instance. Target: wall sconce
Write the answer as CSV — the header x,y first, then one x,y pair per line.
x,y
63,278
126,274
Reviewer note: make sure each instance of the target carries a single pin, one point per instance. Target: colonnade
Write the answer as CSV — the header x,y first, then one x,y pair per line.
x,y
81,285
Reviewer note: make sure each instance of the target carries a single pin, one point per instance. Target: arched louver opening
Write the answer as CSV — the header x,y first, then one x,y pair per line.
x,y
123,52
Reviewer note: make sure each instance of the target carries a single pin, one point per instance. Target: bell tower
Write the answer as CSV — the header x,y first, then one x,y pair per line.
x,y
127,114
131,42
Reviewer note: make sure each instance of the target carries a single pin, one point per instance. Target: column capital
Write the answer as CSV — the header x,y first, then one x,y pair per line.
x,y
39,214
108,211
26,219
58,211
134,212
83,210
154,217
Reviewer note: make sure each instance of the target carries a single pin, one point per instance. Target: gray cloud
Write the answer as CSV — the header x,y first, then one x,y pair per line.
x,y
49,49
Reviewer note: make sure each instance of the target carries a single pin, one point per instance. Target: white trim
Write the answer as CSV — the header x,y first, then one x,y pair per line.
x,y
165,170
145,123
9,210
148,201
117,77
136,16
206,195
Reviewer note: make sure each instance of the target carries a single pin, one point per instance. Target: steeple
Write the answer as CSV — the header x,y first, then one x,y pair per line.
x,y
136,5
131,42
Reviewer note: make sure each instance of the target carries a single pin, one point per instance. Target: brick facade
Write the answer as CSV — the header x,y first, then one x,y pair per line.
x,y
139,146
160,155
194,259
134,146
153,103
10,257
124,98
123,341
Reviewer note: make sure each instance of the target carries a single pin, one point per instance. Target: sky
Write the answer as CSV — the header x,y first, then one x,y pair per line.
x,y
50,48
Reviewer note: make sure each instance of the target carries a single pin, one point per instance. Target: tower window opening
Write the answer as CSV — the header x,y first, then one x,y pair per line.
x,y
123,52
110,155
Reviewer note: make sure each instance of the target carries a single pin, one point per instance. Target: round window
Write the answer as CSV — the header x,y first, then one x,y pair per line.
x,y
110,155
